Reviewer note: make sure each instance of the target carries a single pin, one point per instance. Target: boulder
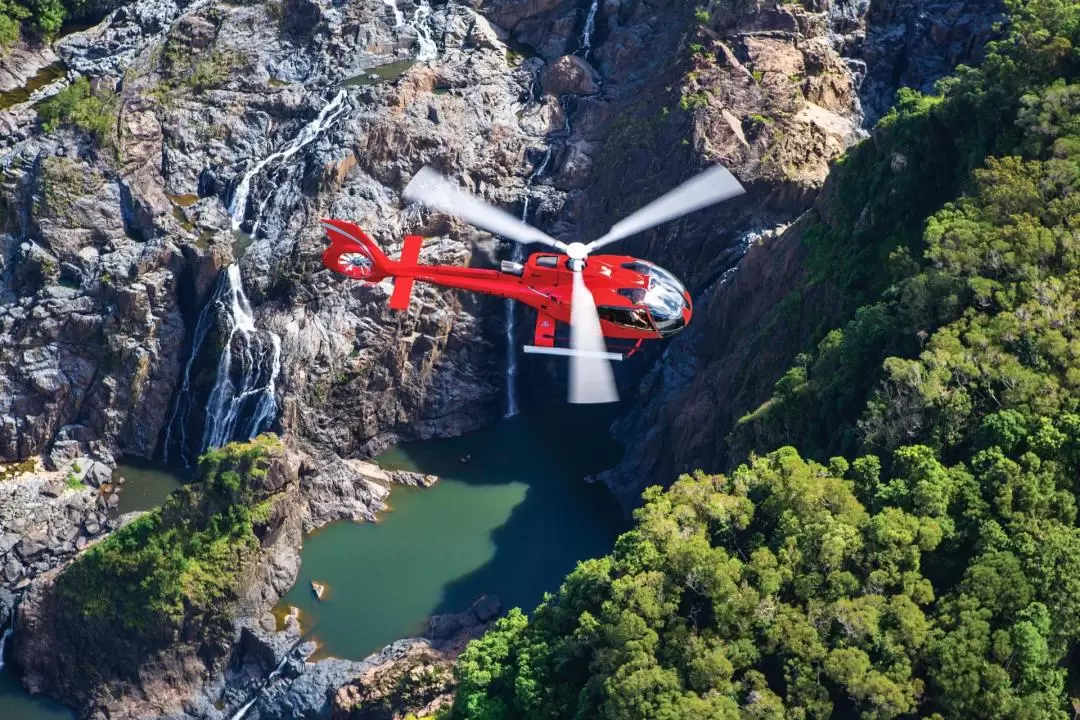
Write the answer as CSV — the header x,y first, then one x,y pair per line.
x,y
569,75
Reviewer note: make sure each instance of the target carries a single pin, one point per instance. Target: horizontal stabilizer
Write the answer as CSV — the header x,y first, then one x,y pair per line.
x,y
568,352
399,300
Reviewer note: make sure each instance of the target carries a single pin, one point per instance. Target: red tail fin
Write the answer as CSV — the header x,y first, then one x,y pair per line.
x,y
410,254
354,254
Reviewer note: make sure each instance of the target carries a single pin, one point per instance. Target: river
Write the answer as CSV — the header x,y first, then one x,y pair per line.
x,y
17,704
512,521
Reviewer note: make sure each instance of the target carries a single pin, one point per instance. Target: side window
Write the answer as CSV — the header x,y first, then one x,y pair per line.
x,y
638,267
626,317
547,261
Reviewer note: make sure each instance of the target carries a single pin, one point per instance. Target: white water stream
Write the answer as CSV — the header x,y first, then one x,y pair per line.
x,y
326,117
590,28
260,363
518,255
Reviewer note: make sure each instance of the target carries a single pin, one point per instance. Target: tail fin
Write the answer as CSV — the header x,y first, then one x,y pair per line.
x,y
410,254
354,254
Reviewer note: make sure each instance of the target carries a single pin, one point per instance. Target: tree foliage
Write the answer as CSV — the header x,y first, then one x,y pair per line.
x,y
919,556
176,568
77,105
44,18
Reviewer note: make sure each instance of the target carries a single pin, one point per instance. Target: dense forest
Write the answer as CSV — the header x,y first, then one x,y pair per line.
x,y
899,537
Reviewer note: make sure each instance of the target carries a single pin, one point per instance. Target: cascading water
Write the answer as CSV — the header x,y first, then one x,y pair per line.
x,y
399,17
243,401
590,28
248,390
243,710
181,413
517,255
424,38
3,642
326,117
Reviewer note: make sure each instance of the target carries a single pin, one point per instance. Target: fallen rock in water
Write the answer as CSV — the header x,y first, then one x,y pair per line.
x,y
412,479
319,589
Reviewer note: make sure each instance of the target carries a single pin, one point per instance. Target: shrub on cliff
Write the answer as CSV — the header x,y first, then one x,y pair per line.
x,y
933,572
176,569
78,106
46,17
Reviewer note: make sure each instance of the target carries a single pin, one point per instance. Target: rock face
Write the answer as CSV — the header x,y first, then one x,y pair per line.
x,y
148,671
46,517
418,679
775,92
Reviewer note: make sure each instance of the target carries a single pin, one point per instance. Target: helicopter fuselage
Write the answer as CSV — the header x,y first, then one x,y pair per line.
x,y
636,300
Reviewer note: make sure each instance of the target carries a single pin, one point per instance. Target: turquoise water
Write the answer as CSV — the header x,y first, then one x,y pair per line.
x,y
17,704
512,521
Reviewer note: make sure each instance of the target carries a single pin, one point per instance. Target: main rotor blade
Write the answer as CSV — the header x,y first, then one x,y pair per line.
x,y
591,379
712,186
433,190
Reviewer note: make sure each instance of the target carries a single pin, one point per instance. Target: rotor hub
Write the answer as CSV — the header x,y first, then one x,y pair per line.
x,y
577,251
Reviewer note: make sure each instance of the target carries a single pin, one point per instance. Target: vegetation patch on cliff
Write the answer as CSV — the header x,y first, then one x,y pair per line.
x,y
177,568
77,105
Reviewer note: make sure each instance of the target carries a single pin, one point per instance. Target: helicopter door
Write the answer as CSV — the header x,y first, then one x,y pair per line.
x,y
544,335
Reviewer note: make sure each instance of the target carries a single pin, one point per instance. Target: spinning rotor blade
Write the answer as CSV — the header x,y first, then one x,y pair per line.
x,y
591,379
712,186
434,191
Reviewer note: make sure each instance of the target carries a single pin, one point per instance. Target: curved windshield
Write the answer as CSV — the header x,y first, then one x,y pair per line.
x,y
665,297
666,301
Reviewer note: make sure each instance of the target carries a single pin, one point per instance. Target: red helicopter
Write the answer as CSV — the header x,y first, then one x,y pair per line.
x,y
601,298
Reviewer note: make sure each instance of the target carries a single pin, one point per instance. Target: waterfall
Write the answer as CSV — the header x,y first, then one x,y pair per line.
x,y
326,117
3,641
399,17
182,407
259,365
590,27
243,711
243,401
518,255
424,38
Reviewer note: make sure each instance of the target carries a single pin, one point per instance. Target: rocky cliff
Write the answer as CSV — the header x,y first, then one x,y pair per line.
x,y
776,93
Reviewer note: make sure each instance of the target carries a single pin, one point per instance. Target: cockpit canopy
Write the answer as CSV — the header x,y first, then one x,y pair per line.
x,y
664,298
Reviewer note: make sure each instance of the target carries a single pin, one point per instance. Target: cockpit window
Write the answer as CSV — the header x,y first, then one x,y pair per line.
x,y
548,261
664,300
627,317
639,267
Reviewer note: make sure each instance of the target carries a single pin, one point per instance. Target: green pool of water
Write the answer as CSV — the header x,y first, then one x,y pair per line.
x,y
380,74
512,521
146,483
17,704
43,77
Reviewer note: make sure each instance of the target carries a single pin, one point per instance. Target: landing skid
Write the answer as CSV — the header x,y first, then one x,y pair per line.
x,y
567,352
